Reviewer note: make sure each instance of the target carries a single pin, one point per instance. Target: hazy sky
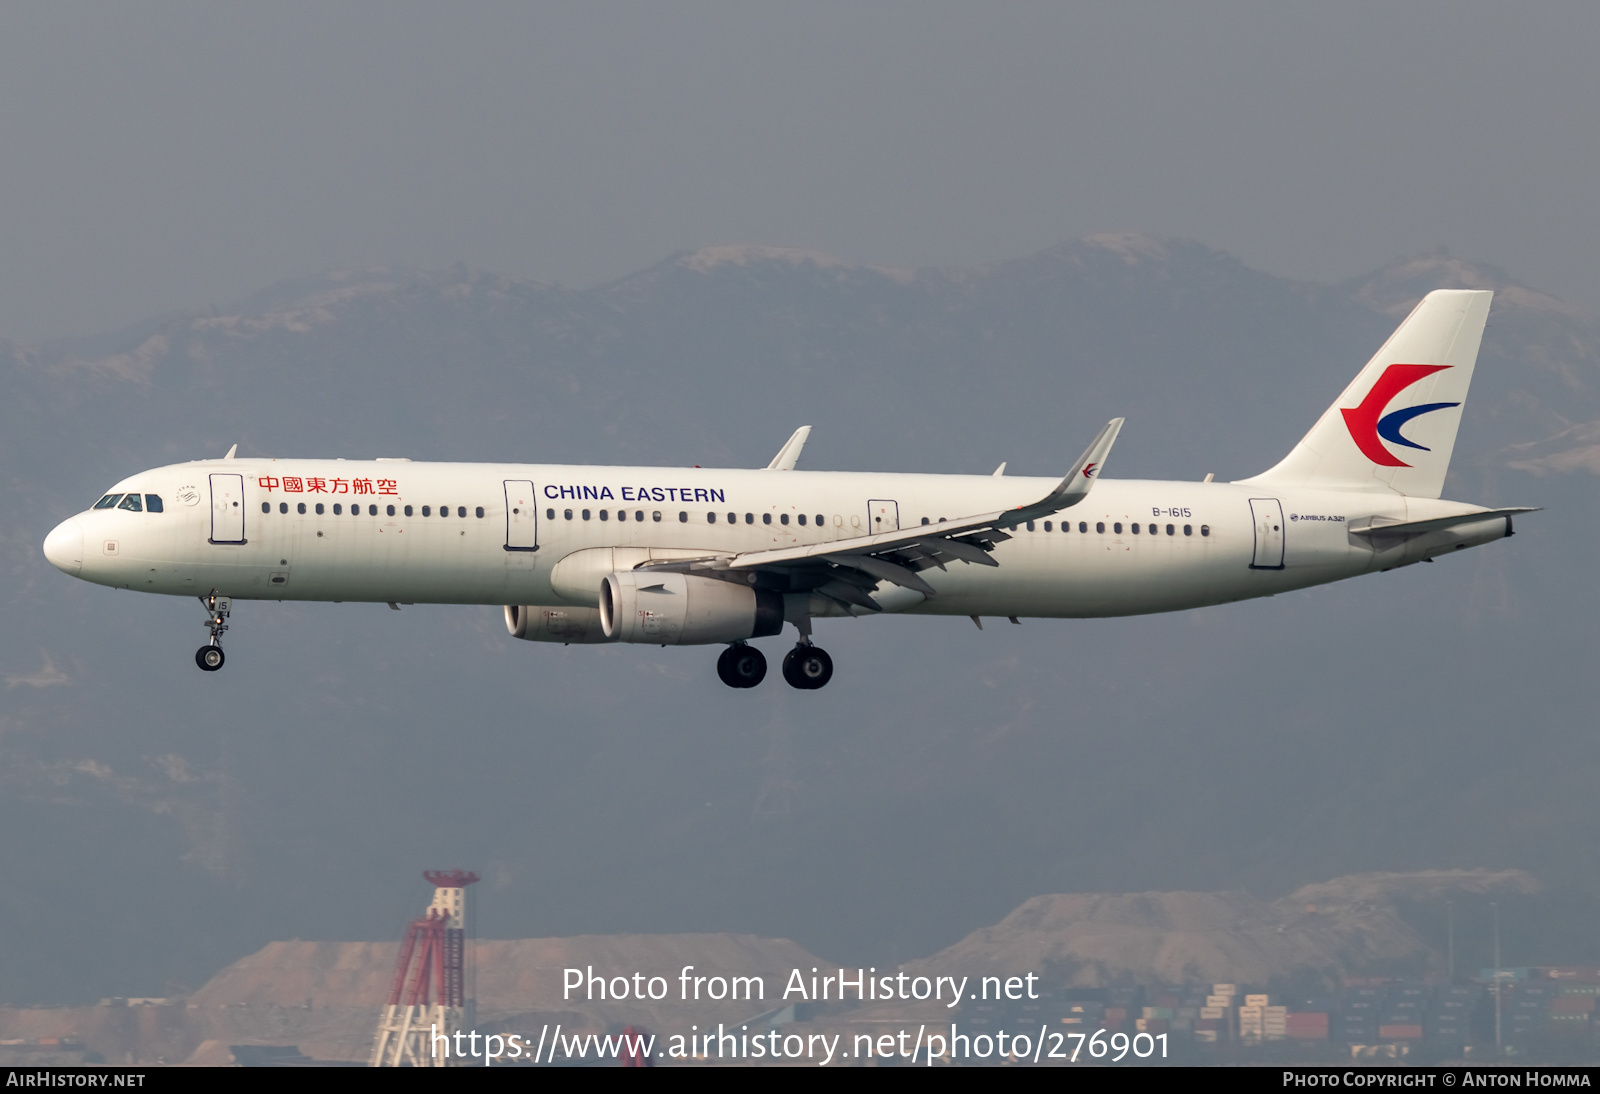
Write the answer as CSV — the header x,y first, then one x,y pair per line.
x,y
163,156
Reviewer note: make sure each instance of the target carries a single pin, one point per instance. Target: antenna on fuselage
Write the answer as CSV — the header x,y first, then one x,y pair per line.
x,y
231,451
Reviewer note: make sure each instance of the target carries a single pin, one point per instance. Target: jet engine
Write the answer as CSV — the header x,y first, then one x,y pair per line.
x,y
672,609
543,623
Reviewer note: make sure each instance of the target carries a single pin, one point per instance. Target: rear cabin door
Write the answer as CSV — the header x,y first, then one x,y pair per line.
x,y
522,516
882,516
1268,514
227,508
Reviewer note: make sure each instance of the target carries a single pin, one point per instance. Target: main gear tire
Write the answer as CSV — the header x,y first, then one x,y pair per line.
x,y
742,666
807,668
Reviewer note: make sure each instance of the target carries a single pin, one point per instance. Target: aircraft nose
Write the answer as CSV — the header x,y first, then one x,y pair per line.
x,y
64,546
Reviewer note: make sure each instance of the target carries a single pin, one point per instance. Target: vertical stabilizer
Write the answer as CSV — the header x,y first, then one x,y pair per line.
x,y
1394,427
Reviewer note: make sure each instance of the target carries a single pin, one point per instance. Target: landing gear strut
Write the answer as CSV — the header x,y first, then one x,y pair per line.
x,y
807,667
210,656
742,666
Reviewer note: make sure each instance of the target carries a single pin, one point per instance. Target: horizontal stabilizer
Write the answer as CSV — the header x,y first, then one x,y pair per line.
x,y
1383,527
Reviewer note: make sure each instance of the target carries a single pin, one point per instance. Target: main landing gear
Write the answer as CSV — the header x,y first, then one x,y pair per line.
x,y
210,656
805,667
742,666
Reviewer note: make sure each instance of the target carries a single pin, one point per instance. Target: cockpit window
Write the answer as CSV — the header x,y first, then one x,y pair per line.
x,y
152,503
132,504
107,502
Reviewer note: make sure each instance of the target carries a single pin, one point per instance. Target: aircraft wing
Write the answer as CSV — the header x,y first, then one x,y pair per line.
x,y
897,556
789,454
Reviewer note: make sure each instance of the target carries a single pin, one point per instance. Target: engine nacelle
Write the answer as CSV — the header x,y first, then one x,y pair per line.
x,y
671,609
543,623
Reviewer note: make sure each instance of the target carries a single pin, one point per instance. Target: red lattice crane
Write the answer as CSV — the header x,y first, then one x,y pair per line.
x,y
428,996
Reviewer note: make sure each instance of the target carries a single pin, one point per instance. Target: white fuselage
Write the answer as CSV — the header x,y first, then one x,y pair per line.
x,y
236,528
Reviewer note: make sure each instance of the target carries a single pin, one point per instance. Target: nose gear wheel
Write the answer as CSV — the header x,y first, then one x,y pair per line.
x,y
210,657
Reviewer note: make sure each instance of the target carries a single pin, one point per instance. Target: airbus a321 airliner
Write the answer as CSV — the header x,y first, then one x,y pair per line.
x,y
719,557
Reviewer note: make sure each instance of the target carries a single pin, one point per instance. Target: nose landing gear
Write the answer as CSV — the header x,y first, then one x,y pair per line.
x,y
742,666
210,656
807,667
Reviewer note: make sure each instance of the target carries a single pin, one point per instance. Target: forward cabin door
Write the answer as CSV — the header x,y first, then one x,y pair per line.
x,y
882,516
522,516
227,508
1268,514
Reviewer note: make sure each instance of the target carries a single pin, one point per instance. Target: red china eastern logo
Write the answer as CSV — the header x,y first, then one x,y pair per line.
x,y
1368,422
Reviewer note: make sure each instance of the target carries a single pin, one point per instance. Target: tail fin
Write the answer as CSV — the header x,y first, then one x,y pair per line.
x,y
1422,372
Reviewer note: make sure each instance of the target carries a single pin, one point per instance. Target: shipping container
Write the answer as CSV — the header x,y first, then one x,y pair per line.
x,y
1256,1000
1572,1004
1219,1000
1206,1036
1213,1012
1400,1032
1224,989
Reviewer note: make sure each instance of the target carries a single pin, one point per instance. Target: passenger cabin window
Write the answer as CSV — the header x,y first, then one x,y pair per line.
x,y
1083,526
478,512
605,514
924,520
283,507
766,518
1100,526
108,501
152,503
408,510
683,518
802,519
622,514
1188,529
783,519
266,507
1171,530
586,514
1117,527
749,518
567,513
461,511
1205,529
638,514
549,514
1030,526
338,510
319,508
389,510
711,518
1136,529
372,511
733,518
301,508
819,520
132,504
